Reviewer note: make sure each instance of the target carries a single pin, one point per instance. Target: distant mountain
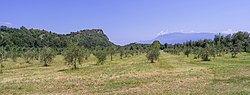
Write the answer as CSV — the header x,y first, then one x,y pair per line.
x,y
178,37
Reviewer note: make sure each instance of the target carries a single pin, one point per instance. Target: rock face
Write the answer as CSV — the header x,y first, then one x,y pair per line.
x,y
97,31
91,38
88,31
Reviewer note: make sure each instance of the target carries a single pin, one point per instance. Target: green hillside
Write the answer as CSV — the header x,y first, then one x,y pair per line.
x,y
24,37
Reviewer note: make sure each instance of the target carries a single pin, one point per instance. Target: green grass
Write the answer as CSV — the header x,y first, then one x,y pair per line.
x,y
171,74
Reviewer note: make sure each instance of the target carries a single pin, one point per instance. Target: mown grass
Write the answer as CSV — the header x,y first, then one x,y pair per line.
x,y
171,74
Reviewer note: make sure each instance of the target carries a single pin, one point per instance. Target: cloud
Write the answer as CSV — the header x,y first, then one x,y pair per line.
x,y
7,23
229,31
179,31
192,31
162,33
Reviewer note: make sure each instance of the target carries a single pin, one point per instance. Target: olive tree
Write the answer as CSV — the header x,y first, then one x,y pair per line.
x,y
2,58
154,51
101,55
206,53
111,51
121,52
187,51
235,49
46,56
87,53
73,55
29,55
13,54
196,52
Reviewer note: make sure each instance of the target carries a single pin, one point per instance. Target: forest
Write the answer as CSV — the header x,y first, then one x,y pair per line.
x,y
28,48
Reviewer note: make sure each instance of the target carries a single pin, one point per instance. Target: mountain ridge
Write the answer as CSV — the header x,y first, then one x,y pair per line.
x,y
179,37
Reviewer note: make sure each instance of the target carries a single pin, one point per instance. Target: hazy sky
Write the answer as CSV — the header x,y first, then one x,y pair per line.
x,y
126,21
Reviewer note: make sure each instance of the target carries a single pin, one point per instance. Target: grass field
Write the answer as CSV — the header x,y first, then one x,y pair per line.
x,y
134,75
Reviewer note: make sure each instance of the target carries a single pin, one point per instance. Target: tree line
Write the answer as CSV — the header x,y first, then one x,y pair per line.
x,y
73,54
32,44
207,48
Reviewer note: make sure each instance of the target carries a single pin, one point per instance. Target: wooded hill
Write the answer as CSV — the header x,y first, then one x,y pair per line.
x,y
24,37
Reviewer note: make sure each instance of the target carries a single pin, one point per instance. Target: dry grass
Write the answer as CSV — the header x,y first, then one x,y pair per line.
x,y
170,75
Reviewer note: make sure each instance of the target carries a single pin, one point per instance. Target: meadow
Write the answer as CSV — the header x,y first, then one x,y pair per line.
x,y
171,74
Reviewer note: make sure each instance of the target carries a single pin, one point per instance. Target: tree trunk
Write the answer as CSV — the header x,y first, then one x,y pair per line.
x,y
74,64
45,64
152,61
1,62
1,68
233,55
206,58
111,57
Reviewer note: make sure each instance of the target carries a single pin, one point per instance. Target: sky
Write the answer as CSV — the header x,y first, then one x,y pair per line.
x,y
127,21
